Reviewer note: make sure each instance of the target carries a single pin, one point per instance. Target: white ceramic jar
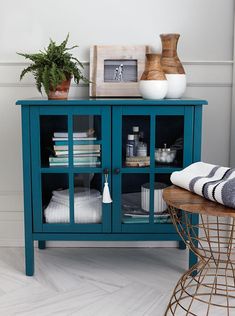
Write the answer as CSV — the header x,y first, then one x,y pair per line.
x,y
153,89
159,204
176,85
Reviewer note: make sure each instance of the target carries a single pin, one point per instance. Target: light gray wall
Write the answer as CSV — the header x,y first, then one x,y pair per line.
x,y
205,47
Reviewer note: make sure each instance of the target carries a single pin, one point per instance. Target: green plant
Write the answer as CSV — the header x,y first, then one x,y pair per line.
x,y
53,65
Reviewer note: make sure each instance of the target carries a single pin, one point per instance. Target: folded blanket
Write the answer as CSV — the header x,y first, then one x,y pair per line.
x,y
87,206
81,195
210,181
58,213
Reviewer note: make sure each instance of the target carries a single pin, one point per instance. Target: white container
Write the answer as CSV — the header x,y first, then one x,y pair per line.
x,y
176,85
153,89
159,204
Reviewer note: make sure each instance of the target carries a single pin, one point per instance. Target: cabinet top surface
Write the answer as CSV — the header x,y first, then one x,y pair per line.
x,y
112,101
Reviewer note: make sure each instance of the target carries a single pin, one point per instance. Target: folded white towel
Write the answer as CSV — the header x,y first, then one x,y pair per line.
x,y
210,181
87,207
80,193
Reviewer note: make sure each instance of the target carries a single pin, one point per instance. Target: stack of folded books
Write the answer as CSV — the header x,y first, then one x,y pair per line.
x,y
86,153
141,216
137,161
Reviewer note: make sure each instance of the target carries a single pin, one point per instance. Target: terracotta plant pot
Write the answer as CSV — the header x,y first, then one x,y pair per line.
x,y
172,66
153,83
61,92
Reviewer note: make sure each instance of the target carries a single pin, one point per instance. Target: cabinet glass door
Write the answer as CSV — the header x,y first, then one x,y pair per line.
x,y
69,156
169,141
87,145
148,145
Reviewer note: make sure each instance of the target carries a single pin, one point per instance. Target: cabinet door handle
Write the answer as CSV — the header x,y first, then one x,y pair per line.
x,y
116,171
106,171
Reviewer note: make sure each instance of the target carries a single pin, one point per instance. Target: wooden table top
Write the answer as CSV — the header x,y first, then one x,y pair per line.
x,y
193,203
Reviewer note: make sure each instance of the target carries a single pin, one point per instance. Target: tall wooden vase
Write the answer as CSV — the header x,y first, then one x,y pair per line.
x,y
172,66
153,83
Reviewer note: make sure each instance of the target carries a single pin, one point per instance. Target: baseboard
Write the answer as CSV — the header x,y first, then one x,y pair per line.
x,y
95,244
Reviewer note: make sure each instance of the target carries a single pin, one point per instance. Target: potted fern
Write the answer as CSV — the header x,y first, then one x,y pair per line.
x,y
54,68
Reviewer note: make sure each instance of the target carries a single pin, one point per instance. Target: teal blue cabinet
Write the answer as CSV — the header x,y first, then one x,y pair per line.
x,y
69,147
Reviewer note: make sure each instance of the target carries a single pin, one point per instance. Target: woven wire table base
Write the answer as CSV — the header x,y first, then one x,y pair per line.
x,y
208,288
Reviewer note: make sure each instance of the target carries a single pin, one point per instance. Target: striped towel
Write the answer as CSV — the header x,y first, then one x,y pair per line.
x,y
213,182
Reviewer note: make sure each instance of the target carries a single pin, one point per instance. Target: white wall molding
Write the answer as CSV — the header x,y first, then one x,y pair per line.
x,y
84,85
209,62
86,63
30,85
199,74
210,84
92,244
25,64
232,130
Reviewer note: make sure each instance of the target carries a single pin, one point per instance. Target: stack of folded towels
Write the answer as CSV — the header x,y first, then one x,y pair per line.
x,y
210,181
87,206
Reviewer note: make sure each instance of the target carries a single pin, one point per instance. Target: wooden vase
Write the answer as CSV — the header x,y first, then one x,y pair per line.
x,y
172,66
61,91
153,83
153,69
170,61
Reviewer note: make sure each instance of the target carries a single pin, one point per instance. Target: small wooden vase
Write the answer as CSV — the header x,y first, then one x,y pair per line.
x,y
153,68
61,92
172,66
153,83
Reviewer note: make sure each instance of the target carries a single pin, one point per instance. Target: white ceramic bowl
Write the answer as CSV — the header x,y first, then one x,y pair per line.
x,y
176,85
153,89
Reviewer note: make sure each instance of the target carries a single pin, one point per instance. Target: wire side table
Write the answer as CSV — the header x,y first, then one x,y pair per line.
x,y
208,288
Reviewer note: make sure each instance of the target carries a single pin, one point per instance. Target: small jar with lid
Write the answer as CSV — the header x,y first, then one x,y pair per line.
x,y
142,150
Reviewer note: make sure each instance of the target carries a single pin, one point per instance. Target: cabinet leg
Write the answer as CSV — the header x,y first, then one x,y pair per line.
x,y
41,244
182,245
29,257
192,259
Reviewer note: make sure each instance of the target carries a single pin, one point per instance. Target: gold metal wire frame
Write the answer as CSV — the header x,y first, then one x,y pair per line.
x,y
208,288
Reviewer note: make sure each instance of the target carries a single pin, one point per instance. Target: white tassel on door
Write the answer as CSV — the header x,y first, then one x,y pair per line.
x,y
106,193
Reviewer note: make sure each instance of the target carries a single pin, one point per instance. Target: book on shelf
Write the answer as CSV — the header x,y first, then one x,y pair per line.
x,y
75,159
83,164
137,164
65,135
157,220
61,140
75,142
75,154
137,158
88,147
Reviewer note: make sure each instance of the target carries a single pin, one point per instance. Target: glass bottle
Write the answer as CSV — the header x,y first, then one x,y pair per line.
x,y
136,133
130,146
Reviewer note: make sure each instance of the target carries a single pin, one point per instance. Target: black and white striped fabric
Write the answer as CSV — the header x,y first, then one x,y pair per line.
x,y
212,182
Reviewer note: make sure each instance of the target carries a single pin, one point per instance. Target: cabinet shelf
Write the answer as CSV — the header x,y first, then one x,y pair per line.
x,y
73,170
135,170
147,170
166,169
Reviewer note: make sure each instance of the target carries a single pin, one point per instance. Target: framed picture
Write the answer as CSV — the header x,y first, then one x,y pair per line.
x,y
116,70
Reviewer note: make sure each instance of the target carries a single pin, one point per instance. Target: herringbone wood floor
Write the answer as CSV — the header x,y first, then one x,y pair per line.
x,y
90,281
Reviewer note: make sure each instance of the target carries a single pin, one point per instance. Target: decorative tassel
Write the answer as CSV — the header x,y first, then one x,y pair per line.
x,y
106,193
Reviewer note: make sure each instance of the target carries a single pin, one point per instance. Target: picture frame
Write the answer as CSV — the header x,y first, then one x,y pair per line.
x,y
116,70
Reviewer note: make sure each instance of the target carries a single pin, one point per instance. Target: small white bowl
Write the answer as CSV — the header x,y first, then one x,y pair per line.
x,y
153,89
